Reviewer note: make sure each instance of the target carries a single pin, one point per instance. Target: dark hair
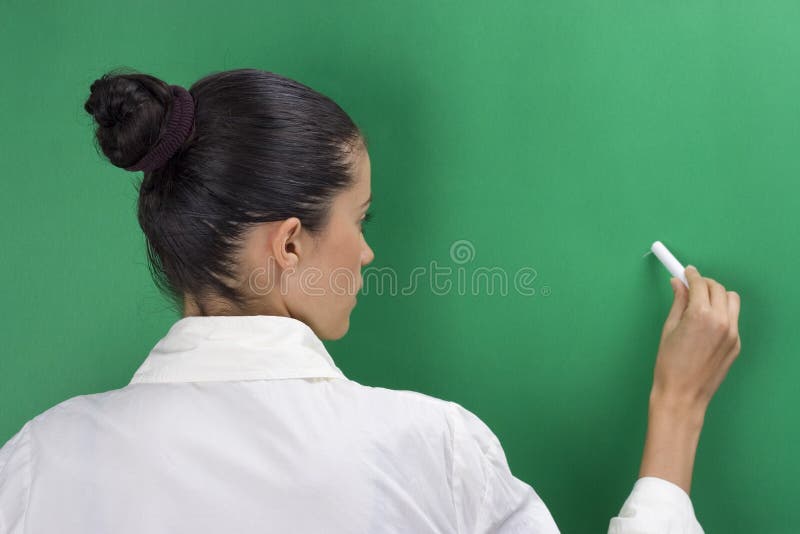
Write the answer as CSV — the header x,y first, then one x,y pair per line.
x,y
263,148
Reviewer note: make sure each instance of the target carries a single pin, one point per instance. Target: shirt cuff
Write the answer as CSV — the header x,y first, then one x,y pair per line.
x,y
656,505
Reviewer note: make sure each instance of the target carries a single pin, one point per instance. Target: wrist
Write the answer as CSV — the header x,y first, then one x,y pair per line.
x,y
676,410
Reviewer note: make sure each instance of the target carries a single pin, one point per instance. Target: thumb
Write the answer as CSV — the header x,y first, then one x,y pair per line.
x,y
679,303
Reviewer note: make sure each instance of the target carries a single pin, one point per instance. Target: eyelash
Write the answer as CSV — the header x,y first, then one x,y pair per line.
x,y
367,218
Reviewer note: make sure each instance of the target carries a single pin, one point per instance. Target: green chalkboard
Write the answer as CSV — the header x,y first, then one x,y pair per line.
x,y
544,144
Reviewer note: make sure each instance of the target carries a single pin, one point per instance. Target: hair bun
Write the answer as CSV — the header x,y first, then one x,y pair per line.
x,y
129,110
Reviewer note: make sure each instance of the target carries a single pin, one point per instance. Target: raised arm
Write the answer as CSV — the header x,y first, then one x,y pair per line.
x,y
699,342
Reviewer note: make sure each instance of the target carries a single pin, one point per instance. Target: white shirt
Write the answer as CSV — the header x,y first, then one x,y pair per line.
x,y
245,425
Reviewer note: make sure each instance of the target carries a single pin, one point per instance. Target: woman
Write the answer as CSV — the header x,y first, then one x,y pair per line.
x,y
254,194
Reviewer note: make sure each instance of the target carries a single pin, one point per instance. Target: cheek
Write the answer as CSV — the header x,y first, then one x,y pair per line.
x,y
348,266
346,252
339,269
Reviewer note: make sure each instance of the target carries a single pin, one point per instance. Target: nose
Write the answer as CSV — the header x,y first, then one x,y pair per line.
x,y
367,255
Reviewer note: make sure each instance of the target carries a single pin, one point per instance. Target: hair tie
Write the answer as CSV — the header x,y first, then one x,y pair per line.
x,y
179,125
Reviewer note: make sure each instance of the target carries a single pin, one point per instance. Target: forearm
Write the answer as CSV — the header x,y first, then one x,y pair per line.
x,y
673,432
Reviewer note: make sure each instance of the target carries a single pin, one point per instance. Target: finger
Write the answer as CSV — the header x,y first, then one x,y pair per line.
x,y
679,303
698,289
734,352
734,305
719,298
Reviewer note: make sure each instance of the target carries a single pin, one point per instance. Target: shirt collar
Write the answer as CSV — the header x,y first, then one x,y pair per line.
x,y
247,347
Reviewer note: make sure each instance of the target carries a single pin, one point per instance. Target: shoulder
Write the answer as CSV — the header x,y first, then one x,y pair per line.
x,y
402,399
65,418
459,423
16,446
15,480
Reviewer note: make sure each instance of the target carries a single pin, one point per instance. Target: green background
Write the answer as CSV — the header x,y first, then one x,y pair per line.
x,y
560,136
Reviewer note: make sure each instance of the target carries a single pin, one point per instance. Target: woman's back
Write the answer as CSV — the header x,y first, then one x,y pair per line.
x,y
244,424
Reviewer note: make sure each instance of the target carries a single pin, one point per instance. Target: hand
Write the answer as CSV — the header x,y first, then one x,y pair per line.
x,y
699,342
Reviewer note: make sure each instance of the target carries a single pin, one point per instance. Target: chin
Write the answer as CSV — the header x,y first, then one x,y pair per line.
x,y
336,331
342,330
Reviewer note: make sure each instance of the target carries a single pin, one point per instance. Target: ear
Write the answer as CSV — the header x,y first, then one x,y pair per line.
x,y
286,243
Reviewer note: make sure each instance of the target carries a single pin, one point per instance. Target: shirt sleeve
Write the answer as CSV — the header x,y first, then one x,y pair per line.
x,y
486,496
656,506
15,481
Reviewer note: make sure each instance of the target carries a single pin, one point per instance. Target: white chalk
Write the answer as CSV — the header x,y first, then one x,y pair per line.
x,y
673,265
